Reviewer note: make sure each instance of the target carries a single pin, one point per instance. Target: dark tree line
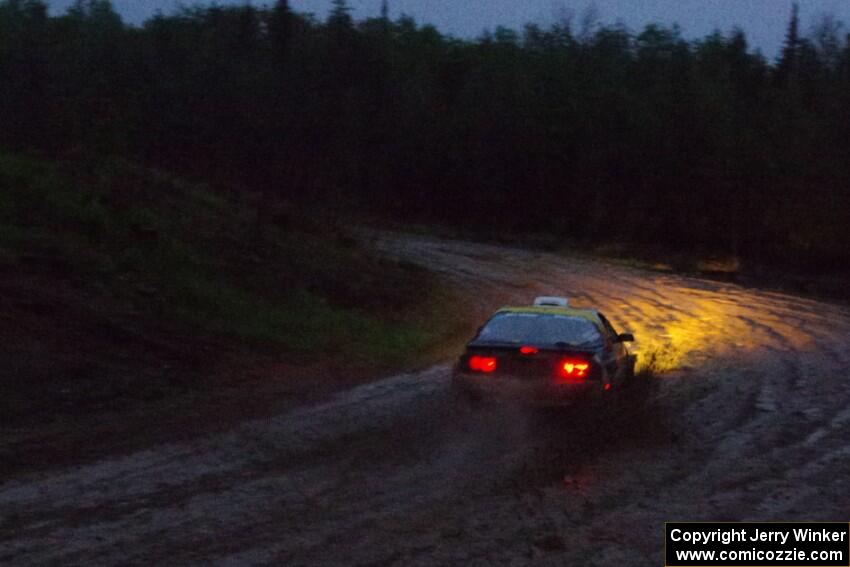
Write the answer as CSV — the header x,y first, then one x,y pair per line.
x,y
602,134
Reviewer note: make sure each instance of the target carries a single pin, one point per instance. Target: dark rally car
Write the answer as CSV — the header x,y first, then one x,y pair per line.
x,y
546,354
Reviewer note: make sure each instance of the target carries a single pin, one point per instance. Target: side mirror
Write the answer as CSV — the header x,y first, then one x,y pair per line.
x,y
625,338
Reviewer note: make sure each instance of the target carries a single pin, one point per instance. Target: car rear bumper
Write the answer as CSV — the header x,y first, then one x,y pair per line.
x,y
527,391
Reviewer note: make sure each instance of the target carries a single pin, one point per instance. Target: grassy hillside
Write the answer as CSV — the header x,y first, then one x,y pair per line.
x,y
120,282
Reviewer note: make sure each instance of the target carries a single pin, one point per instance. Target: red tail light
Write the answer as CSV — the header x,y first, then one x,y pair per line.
x,y
528,350
569,368
482,363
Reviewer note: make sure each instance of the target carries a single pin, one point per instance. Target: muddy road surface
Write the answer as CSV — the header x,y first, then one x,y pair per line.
x,y
748,419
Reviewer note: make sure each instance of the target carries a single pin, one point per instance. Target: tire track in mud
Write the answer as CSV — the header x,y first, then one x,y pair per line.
x,y
748,420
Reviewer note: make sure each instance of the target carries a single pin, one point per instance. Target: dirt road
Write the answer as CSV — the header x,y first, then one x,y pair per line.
x,y
749,421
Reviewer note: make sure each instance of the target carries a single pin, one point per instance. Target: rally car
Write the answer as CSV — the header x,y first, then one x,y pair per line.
x,y
548,353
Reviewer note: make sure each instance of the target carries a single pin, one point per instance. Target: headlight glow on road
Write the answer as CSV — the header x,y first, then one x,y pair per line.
x,y
705,325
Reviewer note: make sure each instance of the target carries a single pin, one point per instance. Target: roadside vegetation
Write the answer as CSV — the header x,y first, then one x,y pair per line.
x,y
112,273
191,257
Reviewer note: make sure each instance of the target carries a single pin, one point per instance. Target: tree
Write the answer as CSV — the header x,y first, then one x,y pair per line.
x,y
826,36
25,94
340,15
280,30
790,51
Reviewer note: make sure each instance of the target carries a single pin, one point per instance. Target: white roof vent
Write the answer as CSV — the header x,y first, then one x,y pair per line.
x,y
551,302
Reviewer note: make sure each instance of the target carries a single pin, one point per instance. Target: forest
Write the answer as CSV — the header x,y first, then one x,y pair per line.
x,y
587,132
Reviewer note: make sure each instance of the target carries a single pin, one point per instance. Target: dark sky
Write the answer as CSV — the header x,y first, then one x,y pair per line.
x,y
763,20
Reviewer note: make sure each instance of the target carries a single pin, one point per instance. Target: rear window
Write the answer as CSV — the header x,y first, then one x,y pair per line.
x,y
540,329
